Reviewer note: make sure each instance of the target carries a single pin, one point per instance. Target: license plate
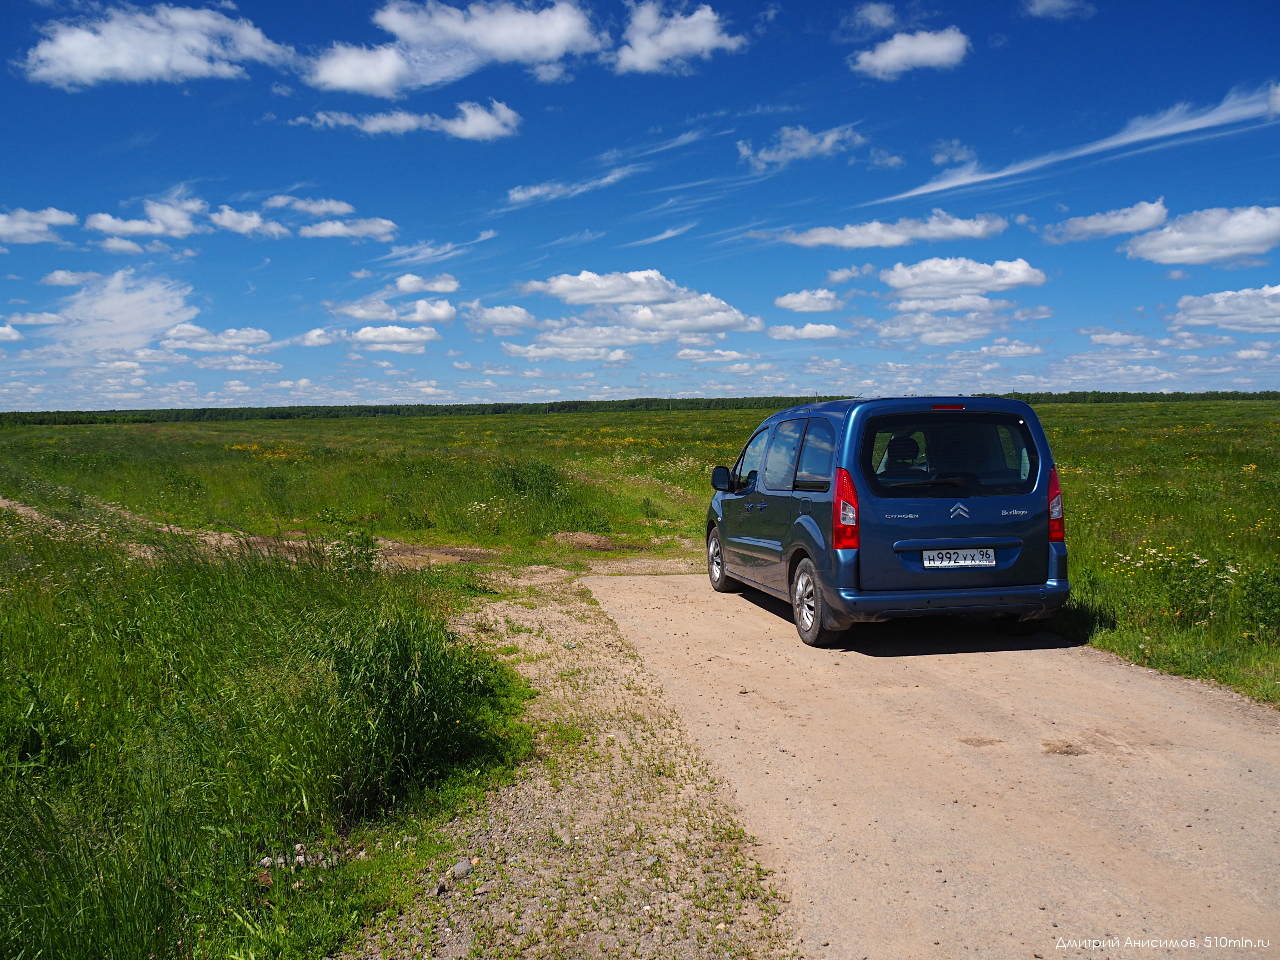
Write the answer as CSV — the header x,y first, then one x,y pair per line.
x,y
951,559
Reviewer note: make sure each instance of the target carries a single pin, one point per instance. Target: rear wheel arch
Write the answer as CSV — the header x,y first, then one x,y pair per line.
x,y
798,554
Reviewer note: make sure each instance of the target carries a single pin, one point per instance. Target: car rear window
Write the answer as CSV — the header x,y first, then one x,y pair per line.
x,y
949,454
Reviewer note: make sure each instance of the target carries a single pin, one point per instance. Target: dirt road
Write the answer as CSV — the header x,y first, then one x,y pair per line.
x,y
935,791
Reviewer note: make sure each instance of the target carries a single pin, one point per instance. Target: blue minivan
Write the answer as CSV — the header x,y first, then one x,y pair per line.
x,y
861,510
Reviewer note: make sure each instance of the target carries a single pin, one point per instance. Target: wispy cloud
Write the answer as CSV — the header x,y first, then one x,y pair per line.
x,y
428,251
473,122
518,196
664,235
1237,107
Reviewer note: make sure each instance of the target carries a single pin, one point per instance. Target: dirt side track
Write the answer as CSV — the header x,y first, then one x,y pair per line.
x,y
932,790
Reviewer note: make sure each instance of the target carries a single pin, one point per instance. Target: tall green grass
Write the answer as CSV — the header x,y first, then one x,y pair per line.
x,y
405,487
167,722
1173,523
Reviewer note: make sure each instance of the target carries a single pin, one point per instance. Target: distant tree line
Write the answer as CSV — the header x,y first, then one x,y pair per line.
x,y
211,414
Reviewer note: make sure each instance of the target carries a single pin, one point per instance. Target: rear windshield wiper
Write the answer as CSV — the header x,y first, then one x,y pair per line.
x,y
939,482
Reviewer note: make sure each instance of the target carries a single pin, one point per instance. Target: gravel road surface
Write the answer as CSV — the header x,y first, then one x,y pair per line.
x,y
934,790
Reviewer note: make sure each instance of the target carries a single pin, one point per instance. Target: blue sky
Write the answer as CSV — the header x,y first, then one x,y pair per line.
x,y
319,202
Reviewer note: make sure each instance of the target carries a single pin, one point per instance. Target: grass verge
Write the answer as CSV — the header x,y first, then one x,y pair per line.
x,y
201,755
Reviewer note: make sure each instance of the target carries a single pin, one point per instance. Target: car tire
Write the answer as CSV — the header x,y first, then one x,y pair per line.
x,y
718,574
810,607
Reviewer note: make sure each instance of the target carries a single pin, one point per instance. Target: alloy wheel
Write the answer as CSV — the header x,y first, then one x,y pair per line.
x,y
804,601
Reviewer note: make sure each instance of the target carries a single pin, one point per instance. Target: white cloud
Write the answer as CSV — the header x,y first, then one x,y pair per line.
x,y
937,330
810,331
654,43
1251,311
965,303
169,44
951,151
1141,216
571,354
319,337
502,321
885,159
602,336
430,311
188,336
33,226
412,283
638,286
639,307
1110,368
315,208
1209,236
939,49
1059,9
123,312
34,319
744,369
1001,347
1273,101
554,191
809,301
646,300
845,274
9,335
240,364
380,72
368,308
167,218
797,143
1236,107
473,121
68,278
939,226
954,276
395,339
119,245
247,223
875,16
438,44
375,228
714,356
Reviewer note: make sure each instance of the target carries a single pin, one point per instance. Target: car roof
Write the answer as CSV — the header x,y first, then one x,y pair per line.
x,y
842,407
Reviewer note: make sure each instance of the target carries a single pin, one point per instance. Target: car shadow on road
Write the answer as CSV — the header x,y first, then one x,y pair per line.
x,y
928,636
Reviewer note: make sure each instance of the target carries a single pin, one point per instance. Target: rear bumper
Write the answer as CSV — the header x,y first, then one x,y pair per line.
x,y
1034,602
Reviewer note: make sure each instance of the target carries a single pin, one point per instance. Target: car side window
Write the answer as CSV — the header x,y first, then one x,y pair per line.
x,y
814,469
780,462
750,460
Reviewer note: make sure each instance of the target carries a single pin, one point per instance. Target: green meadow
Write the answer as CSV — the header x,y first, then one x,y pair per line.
x,y
170,716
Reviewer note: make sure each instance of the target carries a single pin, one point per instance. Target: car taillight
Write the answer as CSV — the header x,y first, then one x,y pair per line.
x,y
1057,525
844,513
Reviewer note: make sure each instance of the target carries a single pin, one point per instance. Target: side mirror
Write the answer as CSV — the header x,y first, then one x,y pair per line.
x,y
720,479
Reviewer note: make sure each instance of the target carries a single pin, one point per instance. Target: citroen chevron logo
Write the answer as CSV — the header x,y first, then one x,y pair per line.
x,y
959,510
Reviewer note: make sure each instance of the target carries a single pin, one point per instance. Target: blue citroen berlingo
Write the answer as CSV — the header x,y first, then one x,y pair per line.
x,y
858,510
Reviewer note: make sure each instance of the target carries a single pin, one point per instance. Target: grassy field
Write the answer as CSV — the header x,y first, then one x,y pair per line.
x,y
166,722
